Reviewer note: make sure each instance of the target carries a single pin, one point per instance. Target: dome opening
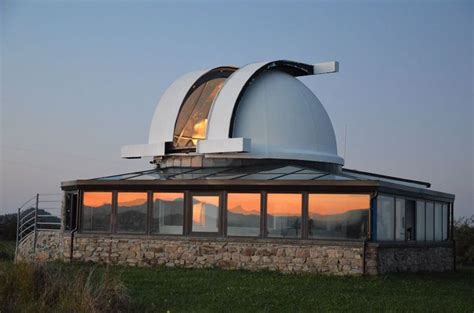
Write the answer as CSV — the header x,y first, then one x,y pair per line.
x,y
191,123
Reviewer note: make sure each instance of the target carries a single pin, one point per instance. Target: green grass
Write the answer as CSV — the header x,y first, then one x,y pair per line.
x,y
162,289
211,290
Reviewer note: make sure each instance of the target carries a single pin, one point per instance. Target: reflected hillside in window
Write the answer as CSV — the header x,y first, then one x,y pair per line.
x,y
284,215
96,211
168,213
243,214
205,213
338,216
131,211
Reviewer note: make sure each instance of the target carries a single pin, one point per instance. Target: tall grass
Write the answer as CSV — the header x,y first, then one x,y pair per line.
x,y
26,287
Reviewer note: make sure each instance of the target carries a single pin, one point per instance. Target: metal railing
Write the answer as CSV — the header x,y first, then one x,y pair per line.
x,y
41,212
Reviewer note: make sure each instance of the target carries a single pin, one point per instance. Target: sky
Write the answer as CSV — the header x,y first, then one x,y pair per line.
x,y
81,79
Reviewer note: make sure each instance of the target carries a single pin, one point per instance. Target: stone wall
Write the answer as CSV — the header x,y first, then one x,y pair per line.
x,y
340,258
198,253
415,258
49,246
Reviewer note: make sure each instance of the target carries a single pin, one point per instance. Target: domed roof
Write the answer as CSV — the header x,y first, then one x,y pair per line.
x,y
284,119
258,111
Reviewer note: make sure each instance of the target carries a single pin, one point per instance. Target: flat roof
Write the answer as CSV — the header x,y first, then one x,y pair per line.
x,y
272,176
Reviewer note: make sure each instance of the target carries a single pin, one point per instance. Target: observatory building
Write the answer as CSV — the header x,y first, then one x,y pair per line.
x,y
246,174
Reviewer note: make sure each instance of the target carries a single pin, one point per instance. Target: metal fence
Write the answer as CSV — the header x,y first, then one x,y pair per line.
x,y
40,212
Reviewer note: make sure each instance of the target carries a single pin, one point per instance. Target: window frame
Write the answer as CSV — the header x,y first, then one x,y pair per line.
x,y
189,217
433,221
372,231
225,215
369,216
81,213
74,203
147,217
266,232
425,207
151,207
424,220
394,211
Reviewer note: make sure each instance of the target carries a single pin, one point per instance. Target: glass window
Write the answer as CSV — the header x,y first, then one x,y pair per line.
x,y
399,219
284,215
96,211
429,221
338,216
385,218
445,221
167,217
191,124
131,212
70,207
420,220
438,221
243,214
410,220
205,214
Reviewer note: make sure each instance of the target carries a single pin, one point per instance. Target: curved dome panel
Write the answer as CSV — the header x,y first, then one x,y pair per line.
x,y
224,105
164,119
284,119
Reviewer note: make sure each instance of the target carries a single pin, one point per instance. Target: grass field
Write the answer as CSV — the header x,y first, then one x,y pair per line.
x,y
212,290
180,290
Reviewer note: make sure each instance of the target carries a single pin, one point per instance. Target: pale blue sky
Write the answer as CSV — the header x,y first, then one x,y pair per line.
x,y
80,79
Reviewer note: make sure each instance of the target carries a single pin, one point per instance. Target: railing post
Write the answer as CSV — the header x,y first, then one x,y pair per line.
x,y
36,226
17,233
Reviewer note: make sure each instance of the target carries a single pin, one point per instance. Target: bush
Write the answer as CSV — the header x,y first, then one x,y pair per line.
x,y
7,250
26,287
464,236
8,227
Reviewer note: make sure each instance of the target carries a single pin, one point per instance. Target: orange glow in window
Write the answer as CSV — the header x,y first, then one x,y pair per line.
x,y
203,205
128,199
96,199
168,196
284,204
333,204
244,203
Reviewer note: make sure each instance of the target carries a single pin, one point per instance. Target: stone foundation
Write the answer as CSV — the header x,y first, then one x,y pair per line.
x,y
288,256
50,245
415,258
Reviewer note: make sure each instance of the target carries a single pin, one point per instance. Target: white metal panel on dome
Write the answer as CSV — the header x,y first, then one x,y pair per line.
x,y
220,115
164,118
284,119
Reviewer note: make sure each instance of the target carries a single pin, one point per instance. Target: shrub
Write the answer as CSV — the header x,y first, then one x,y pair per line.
x,y
8,228
464,236
26,287
7,250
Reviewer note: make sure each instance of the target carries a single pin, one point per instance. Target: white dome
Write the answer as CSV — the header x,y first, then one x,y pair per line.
x,y
284,119
257,111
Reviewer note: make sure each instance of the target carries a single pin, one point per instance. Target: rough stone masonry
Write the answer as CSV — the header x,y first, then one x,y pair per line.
x,y
297,256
